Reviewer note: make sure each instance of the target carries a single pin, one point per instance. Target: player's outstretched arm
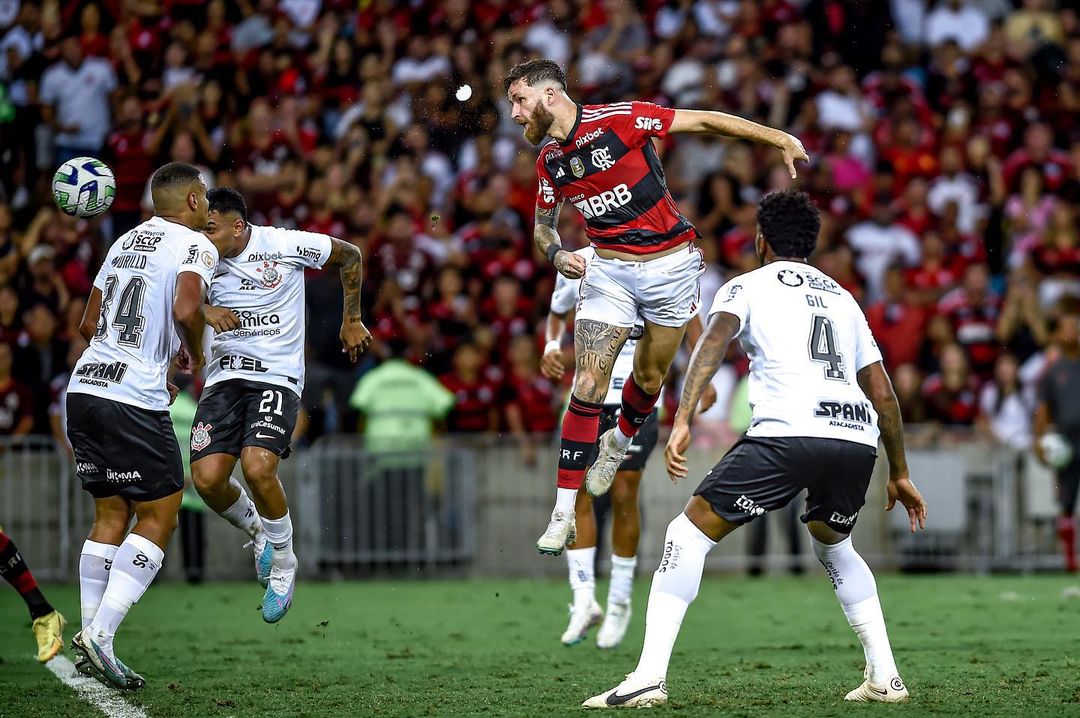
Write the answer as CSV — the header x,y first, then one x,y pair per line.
x,y
355,337
546,237
875,383
721,123
706,359
188,312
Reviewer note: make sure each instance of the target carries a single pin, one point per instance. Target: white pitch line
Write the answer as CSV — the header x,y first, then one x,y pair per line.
x,y
104,699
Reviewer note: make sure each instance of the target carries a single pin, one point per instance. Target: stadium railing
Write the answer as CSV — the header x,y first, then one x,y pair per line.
x,y
472,506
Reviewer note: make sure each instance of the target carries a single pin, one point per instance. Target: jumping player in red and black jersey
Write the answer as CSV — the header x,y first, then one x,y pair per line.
x,y
601,159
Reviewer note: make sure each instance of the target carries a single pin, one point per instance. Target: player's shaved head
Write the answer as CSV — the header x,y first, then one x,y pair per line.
x,y
789,222
171,185
535,72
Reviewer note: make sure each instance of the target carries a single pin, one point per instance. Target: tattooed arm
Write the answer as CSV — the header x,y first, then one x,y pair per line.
x,y
708,355
354,335
546,237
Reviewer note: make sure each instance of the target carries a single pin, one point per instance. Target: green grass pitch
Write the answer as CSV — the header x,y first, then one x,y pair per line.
x,y
1003,646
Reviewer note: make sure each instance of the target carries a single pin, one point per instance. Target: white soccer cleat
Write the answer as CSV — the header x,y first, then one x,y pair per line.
x,y
561,530
602,473
581,620
616,621
894,691
631,693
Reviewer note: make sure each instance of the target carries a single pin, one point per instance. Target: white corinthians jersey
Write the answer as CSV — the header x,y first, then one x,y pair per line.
x,y
563,299
129,356
264,285
807,339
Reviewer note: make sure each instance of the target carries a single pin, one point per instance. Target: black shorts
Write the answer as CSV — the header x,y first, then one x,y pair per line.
x,y
238,413
123,450
761,474
640,448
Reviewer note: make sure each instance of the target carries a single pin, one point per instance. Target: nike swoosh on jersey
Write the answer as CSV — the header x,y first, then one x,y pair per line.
x,y
261,435
616,700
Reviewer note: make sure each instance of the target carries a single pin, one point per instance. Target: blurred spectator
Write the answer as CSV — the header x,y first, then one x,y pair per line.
x,y
973,310
952,394
1003,412
1021,328
955,185
959,21
907,383
879,242
16,408
528,397
474,396
41,355
896,322
74,97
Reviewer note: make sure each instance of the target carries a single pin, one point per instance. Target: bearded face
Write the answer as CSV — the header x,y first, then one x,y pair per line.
x,y
536,120
538,124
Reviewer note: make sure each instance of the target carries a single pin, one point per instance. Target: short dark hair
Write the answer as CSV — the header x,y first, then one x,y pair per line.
x,y
226,200
173,176
169,180
535,72
789,221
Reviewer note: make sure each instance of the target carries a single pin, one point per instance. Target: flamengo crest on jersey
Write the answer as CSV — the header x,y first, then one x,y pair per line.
x,y
264,286
129,356
565,297
807,339
609,170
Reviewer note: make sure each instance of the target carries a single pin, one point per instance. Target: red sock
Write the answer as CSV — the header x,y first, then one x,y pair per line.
x,y
1066,530
636,407
579,429
13,569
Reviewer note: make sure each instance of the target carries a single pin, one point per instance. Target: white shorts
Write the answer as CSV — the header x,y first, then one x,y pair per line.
x,y
665,291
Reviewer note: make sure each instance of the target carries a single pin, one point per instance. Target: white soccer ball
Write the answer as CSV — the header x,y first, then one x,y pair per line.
x,y
84,187
1057,450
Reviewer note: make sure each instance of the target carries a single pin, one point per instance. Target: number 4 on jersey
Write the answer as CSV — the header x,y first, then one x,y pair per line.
x,y
823,348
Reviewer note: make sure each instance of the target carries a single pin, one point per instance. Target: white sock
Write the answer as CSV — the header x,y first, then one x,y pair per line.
x,y
565,500
136,563
582,565
94,563
675,584
621,440
622,578
857,591
242,514
279,534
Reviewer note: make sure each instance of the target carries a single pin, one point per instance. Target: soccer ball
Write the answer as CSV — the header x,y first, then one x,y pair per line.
x,y
84,187
1056,449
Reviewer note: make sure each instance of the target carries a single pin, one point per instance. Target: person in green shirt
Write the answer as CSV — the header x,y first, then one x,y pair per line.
x,y
400,403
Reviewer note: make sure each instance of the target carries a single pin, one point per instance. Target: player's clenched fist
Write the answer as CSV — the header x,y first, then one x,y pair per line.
x,y
551,365
355,338
221,319
570,265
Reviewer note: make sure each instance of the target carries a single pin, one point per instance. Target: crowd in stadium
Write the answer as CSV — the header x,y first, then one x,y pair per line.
x,y
941,134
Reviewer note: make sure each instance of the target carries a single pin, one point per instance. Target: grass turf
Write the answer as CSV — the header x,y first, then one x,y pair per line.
x,y
1001,646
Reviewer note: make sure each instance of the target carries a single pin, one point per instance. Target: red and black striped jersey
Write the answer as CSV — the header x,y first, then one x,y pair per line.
x,y
608,168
